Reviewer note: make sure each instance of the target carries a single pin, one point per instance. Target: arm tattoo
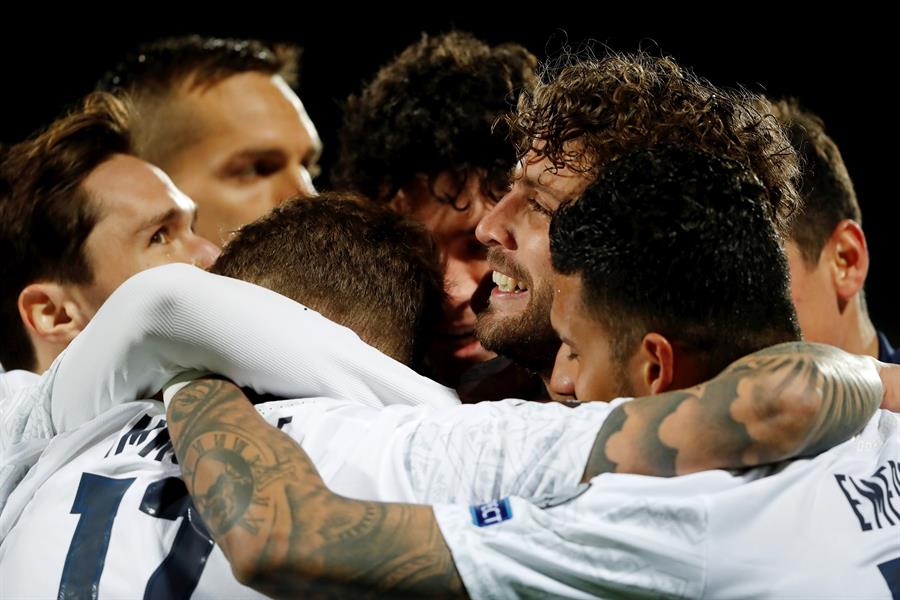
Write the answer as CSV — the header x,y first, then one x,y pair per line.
x,y
281,528
786,401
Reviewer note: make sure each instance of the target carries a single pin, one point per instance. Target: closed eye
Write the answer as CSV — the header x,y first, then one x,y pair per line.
x,y
539,208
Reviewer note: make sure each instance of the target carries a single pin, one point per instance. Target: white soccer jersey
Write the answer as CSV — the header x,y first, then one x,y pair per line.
x,y
168,319
25,426
828,527
465,453
116,516
115,522
10,381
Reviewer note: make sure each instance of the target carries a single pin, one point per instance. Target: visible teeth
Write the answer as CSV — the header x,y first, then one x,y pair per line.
x,y
507,284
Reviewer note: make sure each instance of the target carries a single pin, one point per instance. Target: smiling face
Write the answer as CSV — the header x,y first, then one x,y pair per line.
x,y
516,322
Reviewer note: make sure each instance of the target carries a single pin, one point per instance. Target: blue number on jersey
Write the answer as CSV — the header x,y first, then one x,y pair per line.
x,y
97,501
179,573
891,572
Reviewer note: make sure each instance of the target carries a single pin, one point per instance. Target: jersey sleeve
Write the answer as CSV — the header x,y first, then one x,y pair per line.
x,y
479,452
466,453
176,317
596,544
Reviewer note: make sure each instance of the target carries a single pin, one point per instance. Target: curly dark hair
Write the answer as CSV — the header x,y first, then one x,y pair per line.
x,y
587,111
433,109
678,241
826,188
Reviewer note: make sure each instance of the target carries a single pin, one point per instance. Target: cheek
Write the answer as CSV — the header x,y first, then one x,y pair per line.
x,y
226,207
595,378
534,254
585,388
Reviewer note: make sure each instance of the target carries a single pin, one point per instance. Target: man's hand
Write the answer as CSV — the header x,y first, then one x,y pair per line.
x,y
890,379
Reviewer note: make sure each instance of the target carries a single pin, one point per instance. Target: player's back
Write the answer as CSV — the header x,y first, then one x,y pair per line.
x,y
826,528
116,522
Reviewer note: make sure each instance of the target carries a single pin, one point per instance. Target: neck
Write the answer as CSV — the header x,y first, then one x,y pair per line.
x,y
45,355
857,331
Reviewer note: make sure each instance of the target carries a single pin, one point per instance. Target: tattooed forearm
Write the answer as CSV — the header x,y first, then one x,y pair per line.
x,y
787,401
281,528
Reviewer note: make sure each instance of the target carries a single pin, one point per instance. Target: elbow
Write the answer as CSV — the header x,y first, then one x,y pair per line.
x,y
267,570
782,429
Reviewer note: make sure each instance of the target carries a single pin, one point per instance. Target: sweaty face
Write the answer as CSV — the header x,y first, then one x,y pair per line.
x,y
144,222
516,323
586,358
254,148
455,348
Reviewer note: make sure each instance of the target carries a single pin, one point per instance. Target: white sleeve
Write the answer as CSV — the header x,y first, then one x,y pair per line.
x,y
176,317
467,453
480,452
596,544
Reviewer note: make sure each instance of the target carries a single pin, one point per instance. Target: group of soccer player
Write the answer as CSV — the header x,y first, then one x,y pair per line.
x,y
594,328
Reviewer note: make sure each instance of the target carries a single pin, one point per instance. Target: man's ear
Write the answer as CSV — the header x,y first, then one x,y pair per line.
x,y
51,313
655,364
848,256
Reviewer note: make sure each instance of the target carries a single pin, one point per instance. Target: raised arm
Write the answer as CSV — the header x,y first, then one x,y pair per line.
x,y
786,401
176,317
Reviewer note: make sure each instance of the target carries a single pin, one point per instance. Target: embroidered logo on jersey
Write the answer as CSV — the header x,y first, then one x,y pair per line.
x,y
491,513
875,500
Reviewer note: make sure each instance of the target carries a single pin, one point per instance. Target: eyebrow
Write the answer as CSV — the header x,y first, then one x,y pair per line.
x,y
165,217
535,183
311,157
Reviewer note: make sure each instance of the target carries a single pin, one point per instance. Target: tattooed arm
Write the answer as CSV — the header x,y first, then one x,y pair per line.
x,y
283,531
786,401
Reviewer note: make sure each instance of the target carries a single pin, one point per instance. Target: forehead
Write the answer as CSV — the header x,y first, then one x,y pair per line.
x,y
253,109
126,188
442,218
557,184
567,305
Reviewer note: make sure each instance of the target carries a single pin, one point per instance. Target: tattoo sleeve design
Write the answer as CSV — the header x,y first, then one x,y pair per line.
x,y
282,530
783,402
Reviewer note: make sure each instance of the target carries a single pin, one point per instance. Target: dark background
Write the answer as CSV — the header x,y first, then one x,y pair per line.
x,y
841,66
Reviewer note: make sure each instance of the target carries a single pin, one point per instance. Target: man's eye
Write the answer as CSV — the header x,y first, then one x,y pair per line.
x,y
256,169
539,208
572,355
160,236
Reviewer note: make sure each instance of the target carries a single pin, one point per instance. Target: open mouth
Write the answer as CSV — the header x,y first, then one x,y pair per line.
x,y
508,284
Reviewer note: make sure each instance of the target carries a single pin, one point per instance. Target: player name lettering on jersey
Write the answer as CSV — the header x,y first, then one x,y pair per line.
x,y
149,437
875,500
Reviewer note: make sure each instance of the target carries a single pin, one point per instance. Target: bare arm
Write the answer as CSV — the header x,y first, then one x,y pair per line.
x,y
283,531
786,401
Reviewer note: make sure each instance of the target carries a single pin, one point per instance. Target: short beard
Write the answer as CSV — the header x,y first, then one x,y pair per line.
x,y
528,339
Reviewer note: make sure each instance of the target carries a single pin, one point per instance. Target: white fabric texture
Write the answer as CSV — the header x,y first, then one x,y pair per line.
x,y
828,527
